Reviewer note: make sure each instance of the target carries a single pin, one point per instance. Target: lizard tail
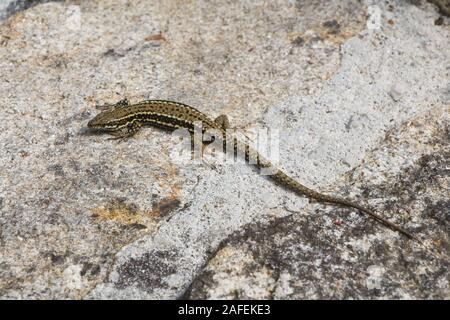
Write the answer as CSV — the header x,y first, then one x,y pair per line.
x,y
292,184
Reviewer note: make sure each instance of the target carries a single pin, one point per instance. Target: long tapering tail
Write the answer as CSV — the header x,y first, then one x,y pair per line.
x,y
290,183
295,186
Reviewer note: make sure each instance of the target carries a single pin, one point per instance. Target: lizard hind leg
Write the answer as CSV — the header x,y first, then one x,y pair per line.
x,y
222,121
121,104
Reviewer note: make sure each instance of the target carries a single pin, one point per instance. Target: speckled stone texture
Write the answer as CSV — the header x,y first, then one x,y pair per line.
x,y
316,257
359,90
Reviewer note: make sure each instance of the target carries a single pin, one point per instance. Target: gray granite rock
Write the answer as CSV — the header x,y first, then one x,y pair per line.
x,y
11,7
321,254
83,217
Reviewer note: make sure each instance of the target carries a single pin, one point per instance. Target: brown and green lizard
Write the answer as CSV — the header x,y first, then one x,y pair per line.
x,y
123,120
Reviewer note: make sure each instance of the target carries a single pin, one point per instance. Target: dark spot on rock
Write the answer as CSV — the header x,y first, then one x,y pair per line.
x,y
349,123
96,170
316,39
169,206
147,271
95,270
59,63
332,25
439,21
62,139
53,218
424,160
75,165
56,259
165,206
299,41
57,169
195,290
137,226
121,203
113,53
416,2
440,211
109,52
86,267
45,202
23,153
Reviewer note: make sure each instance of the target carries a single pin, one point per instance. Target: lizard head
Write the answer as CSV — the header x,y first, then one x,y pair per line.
x,y
106,120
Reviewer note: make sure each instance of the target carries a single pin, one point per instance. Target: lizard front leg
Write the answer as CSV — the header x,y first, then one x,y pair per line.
x,y
127,132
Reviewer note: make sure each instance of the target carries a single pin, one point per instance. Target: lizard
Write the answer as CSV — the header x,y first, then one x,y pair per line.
x,y
123,120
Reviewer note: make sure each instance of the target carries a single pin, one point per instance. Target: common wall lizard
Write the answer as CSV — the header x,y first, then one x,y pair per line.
x,y
123,120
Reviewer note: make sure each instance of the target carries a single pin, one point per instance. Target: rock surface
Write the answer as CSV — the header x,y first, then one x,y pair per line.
x,y
360,94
